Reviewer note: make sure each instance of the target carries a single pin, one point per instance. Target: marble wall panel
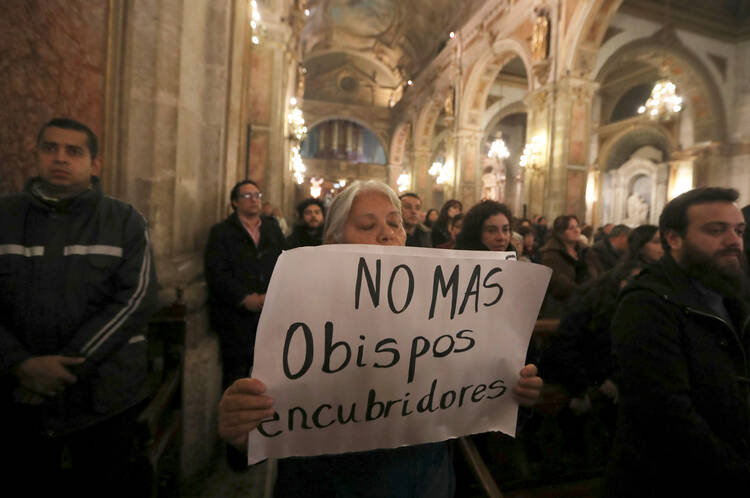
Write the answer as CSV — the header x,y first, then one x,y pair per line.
x,y
52,63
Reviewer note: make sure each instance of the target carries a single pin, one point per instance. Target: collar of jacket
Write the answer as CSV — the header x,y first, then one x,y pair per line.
x,y
85,201
555,244
265,226
670,281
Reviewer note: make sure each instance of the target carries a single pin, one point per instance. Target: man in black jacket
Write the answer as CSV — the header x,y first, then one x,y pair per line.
x,y
309,229
77,286
681,339
417,235
611,248
239,260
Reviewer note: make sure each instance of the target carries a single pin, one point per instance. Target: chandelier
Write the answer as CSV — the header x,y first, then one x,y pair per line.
x,y
298,167
296,120
443,172
403,182
316,187
664,103
498,149
255,23
532,153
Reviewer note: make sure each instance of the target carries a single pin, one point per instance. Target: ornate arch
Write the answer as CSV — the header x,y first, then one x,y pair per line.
x,y
691,76
617,149
398,143
584,34
425,126
481,76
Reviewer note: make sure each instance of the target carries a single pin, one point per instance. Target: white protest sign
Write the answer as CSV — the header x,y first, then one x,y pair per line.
x,y
364,347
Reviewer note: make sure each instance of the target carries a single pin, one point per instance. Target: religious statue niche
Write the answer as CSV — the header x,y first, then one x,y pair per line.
x,y
635,193
540,35
637,210
493,182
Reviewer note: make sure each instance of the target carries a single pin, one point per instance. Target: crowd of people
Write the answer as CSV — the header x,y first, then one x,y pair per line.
x,y
653,320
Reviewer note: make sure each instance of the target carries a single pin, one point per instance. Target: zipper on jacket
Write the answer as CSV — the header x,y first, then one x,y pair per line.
x,y
688,309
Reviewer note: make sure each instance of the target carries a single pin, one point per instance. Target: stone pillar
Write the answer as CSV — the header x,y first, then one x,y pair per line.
x,y
467,175
272,83
534,174
422,181
560,186
177,118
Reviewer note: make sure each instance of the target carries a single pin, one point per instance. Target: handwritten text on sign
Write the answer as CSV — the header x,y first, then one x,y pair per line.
x,y
366,347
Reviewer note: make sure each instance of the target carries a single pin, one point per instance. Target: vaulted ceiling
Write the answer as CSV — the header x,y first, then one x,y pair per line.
x,y
375,45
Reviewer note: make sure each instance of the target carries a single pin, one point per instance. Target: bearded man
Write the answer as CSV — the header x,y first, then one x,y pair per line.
x,y
681,338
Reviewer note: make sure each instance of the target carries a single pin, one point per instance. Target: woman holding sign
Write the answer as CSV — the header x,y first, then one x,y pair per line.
x,y
365,213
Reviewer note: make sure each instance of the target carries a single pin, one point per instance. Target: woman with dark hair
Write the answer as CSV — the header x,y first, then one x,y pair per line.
x,y
455,225
440,232
486,228
431,217
572,263
644,244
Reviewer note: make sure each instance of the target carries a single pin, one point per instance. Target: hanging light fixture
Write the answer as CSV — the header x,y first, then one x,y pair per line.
x,y
664,102
498,149
316,187
255,23
442,171
298,167
532,153
403,182
296,120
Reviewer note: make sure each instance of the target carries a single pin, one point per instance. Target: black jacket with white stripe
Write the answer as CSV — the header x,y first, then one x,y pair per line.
x,y
76,280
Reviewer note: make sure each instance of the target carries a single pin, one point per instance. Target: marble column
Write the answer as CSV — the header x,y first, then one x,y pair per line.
x,y
467,182
558,184
422,181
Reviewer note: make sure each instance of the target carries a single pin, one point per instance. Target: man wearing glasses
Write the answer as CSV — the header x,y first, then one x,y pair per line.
x,y
239,259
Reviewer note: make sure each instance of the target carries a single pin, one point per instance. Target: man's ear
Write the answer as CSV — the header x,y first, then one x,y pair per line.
x,y
674,240
96,167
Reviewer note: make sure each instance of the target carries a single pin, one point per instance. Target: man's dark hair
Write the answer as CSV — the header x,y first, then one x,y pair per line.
x,y
410,194
309,202
618,230
236,189
471,232
92,143
674,215
639,237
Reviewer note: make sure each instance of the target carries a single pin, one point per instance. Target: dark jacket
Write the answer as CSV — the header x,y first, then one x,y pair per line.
x,y
579,355
608,256
301,237
567,274
234,268
422,237
684,421
76,280
440,235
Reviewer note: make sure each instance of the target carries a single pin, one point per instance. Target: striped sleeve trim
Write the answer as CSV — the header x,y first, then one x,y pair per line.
x,y
20,250
93,249
126,312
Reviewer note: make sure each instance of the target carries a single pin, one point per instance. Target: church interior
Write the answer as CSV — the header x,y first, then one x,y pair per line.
x,y
606,109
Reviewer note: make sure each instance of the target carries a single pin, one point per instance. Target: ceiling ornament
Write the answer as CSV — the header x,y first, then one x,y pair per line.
x,y
664,103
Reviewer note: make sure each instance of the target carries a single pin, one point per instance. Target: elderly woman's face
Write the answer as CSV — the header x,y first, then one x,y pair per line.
x,y
373,220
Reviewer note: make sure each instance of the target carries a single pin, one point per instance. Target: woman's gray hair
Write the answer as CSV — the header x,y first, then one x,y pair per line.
x,y
338,212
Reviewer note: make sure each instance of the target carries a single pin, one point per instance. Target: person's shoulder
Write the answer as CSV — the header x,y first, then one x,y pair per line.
x,y
14,200
122,209
424,228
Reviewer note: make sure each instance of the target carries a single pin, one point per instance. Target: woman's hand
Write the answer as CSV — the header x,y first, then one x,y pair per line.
x,y
529,386
242,407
